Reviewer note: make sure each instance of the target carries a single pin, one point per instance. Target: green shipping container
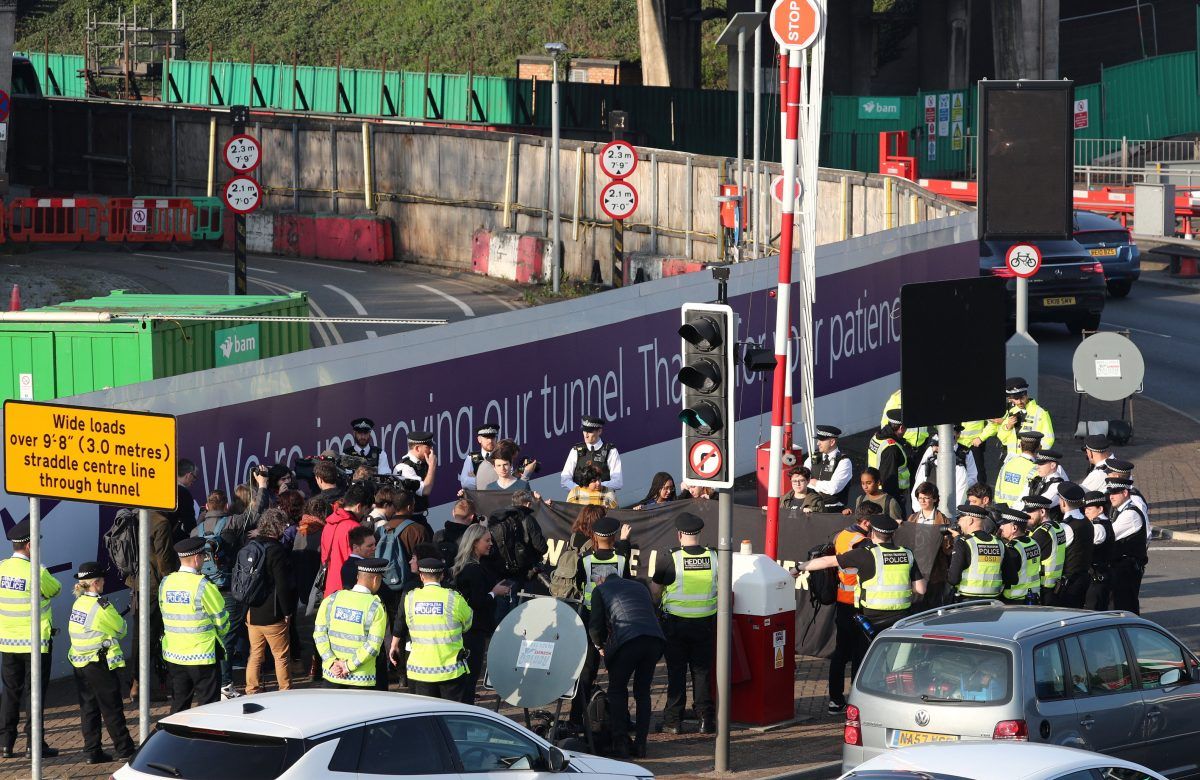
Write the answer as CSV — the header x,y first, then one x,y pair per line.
x,y
41,361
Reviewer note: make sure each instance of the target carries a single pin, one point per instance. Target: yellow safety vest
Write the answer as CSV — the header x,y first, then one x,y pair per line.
x,y
875,449
15,621
976,429
350,627
194,619
914,436
95,626
890,590
982,578
1052,564
1012,483
1030,573
1036,419
595,569
693,593
437,618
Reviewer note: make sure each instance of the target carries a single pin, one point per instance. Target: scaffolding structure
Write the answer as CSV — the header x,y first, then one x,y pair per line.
x,y
124,59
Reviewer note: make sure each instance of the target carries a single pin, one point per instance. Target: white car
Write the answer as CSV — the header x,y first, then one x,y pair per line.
x,y
359,735
996,761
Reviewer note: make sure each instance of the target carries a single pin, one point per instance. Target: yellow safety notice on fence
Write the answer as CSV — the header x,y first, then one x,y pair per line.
x,y
84,454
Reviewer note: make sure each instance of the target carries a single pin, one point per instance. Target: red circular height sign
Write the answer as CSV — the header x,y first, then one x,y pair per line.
x,y
618,199
243,153
242,194
796,24
1024,260
618,159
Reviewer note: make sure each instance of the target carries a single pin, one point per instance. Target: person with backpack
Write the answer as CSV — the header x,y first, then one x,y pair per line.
x,y
563,583
306,562
849,645
263,581
335,536
121,542
481,589
519,548
462,517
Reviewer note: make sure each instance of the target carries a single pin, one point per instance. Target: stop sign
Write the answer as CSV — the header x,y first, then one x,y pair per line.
x,y
796,23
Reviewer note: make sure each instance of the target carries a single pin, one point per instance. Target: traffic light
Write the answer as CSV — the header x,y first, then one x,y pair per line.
x,y
707,379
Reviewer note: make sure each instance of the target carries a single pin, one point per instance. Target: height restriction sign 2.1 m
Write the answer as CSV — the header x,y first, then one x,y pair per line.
x,y
242,194
618,199
80,453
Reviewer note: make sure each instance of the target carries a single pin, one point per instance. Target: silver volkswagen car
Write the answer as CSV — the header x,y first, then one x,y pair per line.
x,y
1104,681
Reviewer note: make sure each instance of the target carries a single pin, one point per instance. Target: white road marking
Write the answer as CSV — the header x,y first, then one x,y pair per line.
x,y
372,334
358,307
227,266
1185,549
467,310
316,309
1137,330
314,265
507,304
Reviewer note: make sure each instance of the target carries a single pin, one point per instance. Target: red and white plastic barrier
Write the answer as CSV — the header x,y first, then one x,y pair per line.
x,y
512,256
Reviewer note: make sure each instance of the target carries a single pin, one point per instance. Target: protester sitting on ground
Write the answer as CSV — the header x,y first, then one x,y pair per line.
x,y
688,490
590,490
872,489
503,460
927,512
800,497
661,493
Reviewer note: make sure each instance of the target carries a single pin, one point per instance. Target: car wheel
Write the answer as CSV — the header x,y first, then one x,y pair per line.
x,y
1119,289
1087,322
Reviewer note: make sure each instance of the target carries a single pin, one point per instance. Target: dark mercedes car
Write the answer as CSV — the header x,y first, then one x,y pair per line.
x,y
1068,288
1111,244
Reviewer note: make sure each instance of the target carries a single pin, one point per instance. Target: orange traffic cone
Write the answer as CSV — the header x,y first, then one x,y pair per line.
x,y
14,300
1187,228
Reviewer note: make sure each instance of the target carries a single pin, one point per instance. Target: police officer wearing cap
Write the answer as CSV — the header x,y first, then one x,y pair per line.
x,y
594,451
1131,533
96,628
1023,414
888,452
609,557
977,558
1099,591
1077,564
437,617
364,448
418,468
1124,468
973,438
1047,476
965,473
195,628
685,584
831,469
915,438
849,645
350,628
1052,543
485,436
15,626
1098,450
888,575
1018,470
1022,566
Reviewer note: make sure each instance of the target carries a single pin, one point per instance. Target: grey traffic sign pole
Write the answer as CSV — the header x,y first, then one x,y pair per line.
x,y
756,143
946,478
1021,351
1022,305
724,582
734,34
35,639
239,115
144,638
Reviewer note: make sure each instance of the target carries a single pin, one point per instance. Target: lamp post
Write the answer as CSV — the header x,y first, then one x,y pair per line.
x,y
734,35
556,50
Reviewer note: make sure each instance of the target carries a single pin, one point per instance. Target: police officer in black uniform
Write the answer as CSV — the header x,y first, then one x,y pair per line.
x,y
593,451
485,435
418,468
1130,537
1077,568
1046,479
363,447
831,469
691,634
1095,509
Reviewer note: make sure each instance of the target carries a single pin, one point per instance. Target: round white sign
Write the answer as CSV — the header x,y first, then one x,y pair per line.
x,y
242,194
618,159
618,199
242,153
705,459
777,189
1024,260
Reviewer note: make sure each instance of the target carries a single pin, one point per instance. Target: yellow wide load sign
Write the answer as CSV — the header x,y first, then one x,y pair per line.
x,y
84,454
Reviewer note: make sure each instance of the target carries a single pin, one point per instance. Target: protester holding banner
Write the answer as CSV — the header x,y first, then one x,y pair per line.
x,y
661,493
800,496
872,487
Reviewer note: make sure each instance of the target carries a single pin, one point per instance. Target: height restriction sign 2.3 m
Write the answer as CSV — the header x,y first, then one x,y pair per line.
x,y
243,153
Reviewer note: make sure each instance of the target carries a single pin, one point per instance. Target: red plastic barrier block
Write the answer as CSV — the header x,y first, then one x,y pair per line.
x,y
66,220
530,253
675,267
359,239
295,235
481,250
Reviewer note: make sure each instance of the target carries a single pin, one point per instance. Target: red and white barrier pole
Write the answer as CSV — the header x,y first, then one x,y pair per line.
x,y
783,294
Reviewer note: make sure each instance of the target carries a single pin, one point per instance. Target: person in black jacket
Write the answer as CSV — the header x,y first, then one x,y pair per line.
x,y
183,517
362,545
623,627
267,622
480,588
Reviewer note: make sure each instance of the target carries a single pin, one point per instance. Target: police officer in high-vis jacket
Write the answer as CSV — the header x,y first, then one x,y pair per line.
x,y
889,579
686,580
1023,414
96,628
1018,469
195,628
1022,565
350,629
1051,541
15,625
437,618
976,562
888,452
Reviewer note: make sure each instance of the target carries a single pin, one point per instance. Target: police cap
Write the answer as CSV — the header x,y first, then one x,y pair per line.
x,y
1036,502
1095,498
1117,466
1047,456
894,416
970,510
1016,385
193,545
431,566
488,431
363,424
372,566
1069,491
1010,514
419,437
1030,435
827,432
1117,484
1097,443
688,523
606,526
20,533
884,524
589,423
89,571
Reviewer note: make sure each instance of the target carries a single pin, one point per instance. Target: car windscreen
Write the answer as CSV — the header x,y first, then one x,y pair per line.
x,y
936,671
201,754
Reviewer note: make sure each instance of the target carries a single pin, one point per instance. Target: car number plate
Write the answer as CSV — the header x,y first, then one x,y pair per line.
x,y
1109,252
1067,301
905,738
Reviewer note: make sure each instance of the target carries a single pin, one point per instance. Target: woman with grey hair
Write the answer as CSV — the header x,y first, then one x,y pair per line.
x,y
267,616
480,588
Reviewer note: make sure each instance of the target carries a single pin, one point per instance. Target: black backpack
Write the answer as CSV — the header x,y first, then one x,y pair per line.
x,y
512,544
249,580
823,583
121,542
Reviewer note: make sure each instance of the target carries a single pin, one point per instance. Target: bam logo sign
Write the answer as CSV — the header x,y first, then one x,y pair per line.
x,y
236,345
879,108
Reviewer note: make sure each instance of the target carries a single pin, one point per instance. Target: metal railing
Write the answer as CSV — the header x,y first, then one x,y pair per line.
x,y
1126,161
